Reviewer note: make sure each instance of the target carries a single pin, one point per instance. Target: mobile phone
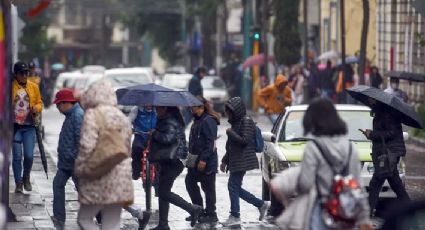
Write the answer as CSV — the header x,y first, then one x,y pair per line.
x,y
361,130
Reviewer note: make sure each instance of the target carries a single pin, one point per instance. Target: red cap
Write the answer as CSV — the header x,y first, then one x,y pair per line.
x,y
65,95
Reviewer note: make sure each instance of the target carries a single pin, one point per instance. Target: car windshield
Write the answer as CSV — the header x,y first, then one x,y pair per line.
x,y
126,80
293,128
212,83
178,81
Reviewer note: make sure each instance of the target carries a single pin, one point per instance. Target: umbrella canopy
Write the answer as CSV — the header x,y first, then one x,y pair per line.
x,y
328,55
41,148
350,60
406,112
256,60
156,95
407,76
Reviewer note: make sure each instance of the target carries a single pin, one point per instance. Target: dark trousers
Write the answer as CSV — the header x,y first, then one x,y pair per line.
x,y
169,171
207,181
236,191
396,185
137,149
59,182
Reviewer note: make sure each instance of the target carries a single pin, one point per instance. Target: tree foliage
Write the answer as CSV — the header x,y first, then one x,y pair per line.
x,y
287,46
34,39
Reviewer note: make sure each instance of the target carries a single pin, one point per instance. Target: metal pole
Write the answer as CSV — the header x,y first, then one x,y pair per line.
x,y
342,33
265,37
219,33
305,18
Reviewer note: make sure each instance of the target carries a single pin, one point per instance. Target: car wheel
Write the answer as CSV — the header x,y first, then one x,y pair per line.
x,y
265,190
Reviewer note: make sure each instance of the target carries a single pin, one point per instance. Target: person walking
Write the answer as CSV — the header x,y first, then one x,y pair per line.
x,y
375,77
240,157
36,78
168,132
69,139
327,87
275,97
27,104
196,89
394,89
387,134
202,162
109,193
322,123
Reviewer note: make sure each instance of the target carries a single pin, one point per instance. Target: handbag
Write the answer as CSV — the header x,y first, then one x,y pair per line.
x,y
110,150
191,160
160,152
384,162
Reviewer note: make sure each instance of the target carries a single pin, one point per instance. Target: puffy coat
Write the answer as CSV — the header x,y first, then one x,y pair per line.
x,y
195,86
168,130
273,100
388,127
240,146
69,138
33,92
203,134
116,186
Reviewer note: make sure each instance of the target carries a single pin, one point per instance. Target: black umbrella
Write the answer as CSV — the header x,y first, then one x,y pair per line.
x,y
38,128
407,76
156,95
406,112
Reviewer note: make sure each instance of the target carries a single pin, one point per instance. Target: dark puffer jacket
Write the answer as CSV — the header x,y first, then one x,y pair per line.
x,y
202,141
388,127
168,131
240,146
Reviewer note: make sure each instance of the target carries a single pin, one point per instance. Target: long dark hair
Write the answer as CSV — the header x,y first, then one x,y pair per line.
x,y
209,109
322,119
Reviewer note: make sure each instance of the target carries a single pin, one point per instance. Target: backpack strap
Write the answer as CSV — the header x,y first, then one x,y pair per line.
x,y
325,155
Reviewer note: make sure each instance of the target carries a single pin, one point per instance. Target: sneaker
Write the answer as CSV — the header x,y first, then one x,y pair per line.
x,y
143,222
263,209
19,187
27,183
59,225
232,221
208,218
196,213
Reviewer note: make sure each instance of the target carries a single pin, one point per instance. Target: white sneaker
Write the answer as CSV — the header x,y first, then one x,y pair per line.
x,y
232,221
263,210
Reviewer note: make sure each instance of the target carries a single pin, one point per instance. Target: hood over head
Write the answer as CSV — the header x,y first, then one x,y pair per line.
x,y
236,107
99,93
280,79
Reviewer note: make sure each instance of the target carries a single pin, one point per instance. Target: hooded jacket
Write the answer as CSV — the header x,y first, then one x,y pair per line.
x,y
69,138
240,146
203,134
272,99
116,186
195,86
316,172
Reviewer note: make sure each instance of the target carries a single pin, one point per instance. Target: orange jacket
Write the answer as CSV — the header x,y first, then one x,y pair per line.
x,y
273,100
33,93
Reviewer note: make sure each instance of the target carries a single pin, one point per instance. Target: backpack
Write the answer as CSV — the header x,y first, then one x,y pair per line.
x,y
259,141
342,206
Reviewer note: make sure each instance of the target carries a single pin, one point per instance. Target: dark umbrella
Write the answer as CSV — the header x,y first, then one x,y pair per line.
x,y
156,95
407,76
406,112
40,145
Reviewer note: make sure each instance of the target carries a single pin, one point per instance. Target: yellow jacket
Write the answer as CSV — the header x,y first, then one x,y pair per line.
x,y
33,92
273,100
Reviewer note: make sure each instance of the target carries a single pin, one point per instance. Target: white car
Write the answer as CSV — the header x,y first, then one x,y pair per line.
x,y
125,77
176,81
284,145
215,91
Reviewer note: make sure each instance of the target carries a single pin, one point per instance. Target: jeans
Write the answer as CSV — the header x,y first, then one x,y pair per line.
x,y
23,138
169,171
396,185
111,216
59,183
208,186
236,191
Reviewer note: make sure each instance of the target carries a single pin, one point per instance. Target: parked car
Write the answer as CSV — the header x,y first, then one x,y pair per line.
x,y
126,77
284,146
215,91
66,80
176,81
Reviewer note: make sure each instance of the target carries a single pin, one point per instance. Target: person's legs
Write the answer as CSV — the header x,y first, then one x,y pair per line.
x,y
191,181
136,156
208,186
111,216
234,185
17,156
28,141
397,186
249,197
375,186
59,183
86,215
174,172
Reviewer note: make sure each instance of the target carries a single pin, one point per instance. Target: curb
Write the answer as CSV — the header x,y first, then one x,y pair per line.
x,y
417,141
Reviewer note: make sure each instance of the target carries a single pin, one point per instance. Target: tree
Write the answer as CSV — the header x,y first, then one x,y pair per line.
x,y
287,46
34,39
363,41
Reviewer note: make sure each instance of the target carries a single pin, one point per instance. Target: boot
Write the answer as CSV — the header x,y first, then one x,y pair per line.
x,y
19,187
27,183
